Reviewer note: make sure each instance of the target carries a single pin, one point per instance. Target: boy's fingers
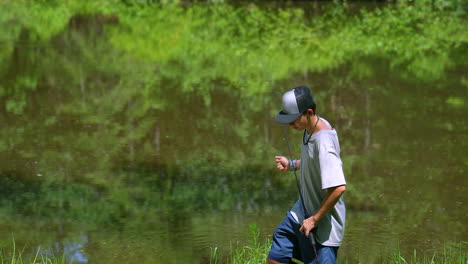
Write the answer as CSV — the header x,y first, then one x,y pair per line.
x,y
304,231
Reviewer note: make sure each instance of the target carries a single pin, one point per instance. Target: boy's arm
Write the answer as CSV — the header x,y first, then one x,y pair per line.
x,y
333,195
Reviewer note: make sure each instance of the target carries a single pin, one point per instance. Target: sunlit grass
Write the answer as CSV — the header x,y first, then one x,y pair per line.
x,y
256,251
15,256
454,254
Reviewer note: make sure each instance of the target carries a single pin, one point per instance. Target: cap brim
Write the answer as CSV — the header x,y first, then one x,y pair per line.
x,y
284,118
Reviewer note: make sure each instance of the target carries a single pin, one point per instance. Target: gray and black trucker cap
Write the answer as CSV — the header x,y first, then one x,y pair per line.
x,y
295,102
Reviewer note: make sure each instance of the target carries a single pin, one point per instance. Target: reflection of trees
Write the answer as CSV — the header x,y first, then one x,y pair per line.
x,y
183,107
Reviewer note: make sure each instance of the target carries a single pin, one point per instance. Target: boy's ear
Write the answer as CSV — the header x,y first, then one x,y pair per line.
x,y
310,111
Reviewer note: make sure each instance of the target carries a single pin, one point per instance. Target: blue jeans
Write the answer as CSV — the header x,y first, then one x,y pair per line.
x,y
289,243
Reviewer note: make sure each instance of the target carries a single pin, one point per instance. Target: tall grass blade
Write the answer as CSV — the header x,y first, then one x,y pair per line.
x,y
214,255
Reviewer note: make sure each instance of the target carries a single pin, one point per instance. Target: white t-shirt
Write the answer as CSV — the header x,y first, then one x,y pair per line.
x,y
321,168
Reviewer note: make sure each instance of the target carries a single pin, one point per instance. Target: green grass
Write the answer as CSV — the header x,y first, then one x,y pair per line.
x,y
15,256
256,252
451,254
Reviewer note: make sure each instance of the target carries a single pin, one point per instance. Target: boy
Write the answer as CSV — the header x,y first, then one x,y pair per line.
x,y
322,184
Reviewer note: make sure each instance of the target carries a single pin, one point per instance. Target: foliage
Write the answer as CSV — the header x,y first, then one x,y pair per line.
x,y
256,251
451,253
105,69
116,109
15,256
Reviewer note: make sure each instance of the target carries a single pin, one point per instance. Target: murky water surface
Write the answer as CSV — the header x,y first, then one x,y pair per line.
x,y
110,154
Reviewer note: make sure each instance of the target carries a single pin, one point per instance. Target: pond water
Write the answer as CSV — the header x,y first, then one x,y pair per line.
x,y
131,135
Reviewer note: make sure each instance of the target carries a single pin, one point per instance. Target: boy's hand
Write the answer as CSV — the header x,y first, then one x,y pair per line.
x,y
282,163
307,226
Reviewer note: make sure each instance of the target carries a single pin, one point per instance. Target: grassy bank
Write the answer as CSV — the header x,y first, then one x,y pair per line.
x,y
257,249
16,256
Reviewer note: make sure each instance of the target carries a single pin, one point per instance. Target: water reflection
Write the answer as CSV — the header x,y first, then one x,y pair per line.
x,y
159,139
71,249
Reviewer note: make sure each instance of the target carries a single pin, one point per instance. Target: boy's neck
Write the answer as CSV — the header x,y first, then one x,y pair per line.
x,y
320,125
313,125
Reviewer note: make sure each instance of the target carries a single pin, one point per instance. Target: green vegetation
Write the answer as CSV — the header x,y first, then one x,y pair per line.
x,y
116,111
15,256
115,87
256,251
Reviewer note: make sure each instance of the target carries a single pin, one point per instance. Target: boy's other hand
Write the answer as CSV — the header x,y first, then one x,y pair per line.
x,y
282,163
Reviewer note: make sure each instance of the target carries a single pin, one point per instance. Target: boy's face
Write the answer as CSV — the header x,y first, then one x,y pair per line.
x,y
301,122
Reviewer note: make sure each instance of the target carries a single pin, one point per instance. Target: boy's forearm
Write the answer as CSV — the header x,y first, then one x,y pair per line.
x,y
333,195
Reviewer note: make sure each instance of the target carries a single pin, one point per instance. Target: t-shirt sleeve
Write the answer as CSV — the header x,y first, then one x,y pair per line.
x,y
331,167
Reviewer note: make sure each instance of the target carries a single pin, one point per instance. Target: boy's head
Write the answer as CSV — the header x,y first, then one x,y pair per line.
x,y
295,103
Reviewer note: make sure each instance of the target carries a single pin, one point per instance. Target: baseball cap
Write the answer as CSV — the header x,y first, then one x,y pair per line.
x,y
295,102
